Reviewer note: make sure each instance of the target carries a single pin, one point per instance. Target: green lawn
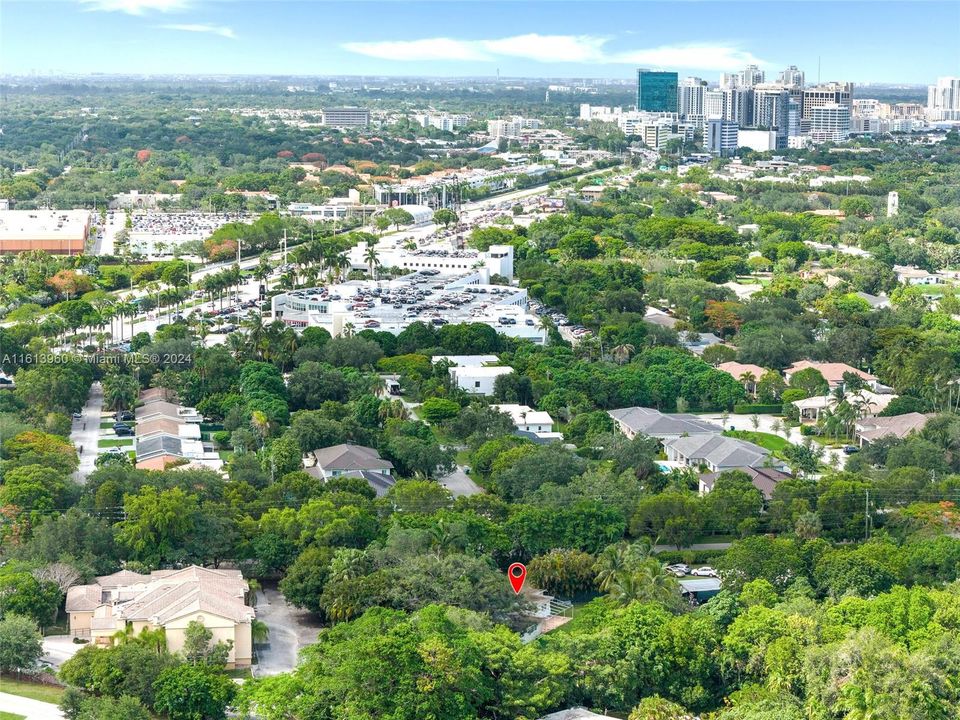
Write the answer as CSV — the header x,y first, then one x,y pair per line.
x,y
115,442
768,441
11,716
34,691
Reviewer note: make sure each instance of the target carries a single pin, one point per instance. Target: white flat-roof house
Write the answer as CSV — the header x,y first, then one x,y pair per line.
x,y
534,423
477,380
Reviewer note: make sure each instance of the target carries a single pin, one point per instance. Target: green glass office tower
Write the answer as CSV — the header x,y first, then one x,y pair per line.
x,y
656,91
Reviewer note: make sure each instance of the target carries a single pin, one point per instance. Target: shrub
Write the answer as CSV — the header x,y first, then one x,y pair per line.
x,y
757,409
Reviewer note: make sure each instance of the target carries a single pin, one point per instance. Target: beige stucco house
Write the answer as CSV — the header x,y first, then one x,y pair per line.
x,y
168,599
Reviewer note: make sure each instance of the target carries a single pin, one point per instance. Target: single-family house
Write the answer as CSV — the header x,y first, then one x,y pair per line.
x,y
865,402
871,429
876,302
537,423
744,373
477,380
159,451
764,479
635,421
348,460
910,275
168,599
832,372
698,342
577,713
163,408
717,453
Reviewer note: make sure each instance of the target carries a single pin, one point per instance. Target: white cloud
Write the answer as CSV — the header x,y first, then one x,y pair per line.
x,y
136,7
221,30
428,49
700,57
588,49
549,48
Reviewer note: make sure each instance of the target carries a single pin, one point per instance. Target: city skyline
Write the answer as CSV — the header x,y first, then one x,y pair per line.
x,y
597,40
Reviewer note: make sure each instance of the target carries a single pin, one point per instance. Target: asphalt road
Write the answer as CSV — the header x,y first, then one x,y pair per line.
x,y
460,484
86,432
290,629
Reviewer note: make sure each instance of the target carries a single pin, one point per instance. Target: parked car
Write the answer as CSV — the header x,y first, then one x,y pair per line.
x,y
77,416
124,431
850,449
114,451
125,415
679,569
705,571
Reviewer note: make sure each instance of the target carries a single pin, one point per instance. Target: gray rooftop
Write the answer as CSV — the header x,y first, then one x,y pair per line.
x,y
654,423
720,451
162,444
347,457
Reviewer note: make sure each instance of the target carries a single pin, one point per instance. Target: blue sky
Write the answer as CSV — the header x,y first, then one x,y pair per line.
x,y
900,42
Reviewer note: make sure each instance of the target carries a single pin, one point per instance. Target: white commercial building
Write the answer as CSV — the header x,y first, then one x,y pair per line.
x,y
497,260
512,127
443,121
759,140
393,305
830,123
943,99
720,137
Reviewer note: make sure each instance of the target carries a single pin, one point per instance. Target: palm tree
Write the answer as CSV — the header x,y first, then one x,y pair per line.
x,y
647,583
255,333
120,391
621,353
747,379
260,423
371,259
618,558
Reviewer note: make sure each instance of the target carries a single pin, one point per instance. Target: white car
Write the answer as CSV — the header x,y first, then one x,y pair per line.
x,y
705,571
678,569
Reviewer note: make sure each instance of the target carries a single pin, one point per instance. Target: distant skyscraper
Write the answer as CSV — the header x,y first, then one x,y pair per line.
x,y
690,95
751,75
720,137
657,91
771,105
834,93
943,99
791,77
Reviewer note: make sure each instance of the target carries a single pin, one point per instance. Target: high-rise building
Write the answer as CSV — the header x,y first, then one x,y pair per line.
x,y
830,123
834,93
690,95
656,91
771,105
791,77
793,118
720,137
943,99
738,105
751,75
714,104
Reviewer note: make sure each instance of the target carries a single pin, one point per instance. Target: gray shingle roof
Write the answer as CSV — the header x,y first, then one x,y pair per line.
x,y
350,457
720,451
657,424
158,445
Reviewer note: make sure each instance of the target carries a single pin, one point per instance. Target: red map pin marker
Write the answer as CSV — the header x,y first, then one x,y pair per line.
x,y
517,574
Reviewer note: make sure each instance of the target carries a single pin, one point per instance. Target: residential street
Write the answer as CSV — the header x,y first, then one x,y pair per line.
x,y
460,484
86,433
290,629
30,709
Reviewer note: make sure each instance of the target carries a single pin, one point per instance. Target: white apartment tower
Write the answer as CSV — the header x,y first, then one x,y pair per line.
x,y
751,75
791,77
943,99
690,97
830,123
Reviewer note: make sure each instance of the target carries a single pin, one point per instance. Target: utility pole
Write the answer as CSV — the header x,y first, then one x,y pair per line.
x,y
866,515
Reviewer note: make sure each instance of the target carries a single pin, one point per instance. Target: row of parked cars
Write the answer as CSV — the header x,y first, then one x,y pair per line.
x,y
683,570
